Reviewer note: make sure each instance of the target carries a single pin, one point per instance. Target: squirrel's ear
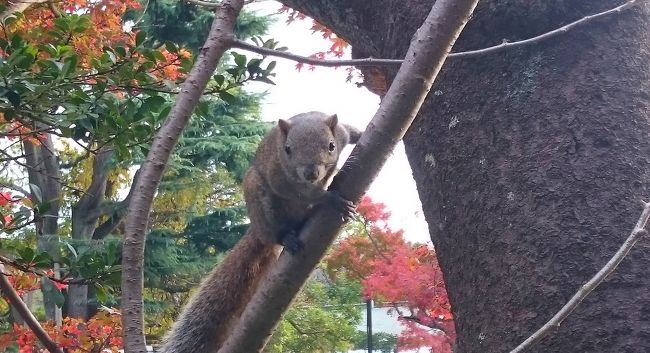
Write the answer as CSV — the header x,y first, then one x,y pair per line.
x,y
353,132
332,121
284,126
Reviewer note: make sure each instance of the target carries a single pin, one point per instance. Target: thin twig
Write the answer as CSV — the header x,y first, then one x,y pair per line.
x,y
213,4
14,187
374,242
547,35
312,61
26,314
41,172
460,55
638,231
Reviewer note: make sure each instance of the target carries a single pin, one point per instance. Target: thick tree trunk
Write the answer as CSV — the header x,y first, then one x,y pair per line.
x,y
530,164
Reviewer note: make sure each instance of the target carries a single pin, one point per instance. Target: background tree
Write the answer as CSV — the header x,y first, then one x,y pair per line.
x,y
76,116
397,274
529,164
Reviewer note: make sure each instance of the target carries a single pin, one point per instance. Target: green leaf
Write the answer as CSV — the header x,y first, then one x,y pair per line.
x,y
101,293
240,60
26,254
72,249
164,112
70,65
219,79
171,47
254,66
43,260
159,56
203,108
121,51
140,38
271,66
154,104
227,97
14,98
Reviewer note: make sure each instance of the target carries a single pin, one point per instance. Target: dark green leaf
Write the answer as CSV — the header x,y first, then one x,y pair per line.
x,y
171,47
240,60
227,97
140,38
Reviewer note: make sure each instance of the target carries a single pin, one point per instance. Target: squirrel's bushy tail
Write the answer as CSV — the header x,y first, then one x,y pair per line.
x,y
206,320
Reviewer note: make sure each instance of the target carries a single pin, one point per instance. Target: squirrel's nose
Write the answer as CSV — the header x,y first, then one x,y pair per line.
x,y
311,173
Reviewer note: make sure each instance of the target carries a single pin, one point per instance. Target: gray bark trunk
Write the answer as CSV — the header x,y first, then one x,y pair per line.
x,y
43,172
529,164
85,215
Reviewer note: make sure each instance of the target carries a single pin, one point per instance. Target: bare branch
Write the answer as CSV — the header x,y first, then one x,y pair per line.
x,y
118,213
460,55
313,61
14,187
564,29
217,42
433,324
636,234
374,242
27,316
214,4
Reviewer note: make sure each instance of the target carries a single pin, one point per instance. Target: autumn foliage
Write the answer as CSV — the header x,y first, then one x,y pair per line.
x,y
395,273
102,333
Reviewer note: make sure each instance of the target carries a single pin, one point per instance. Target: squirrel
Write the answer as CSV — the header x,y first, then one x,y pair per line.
x,y
292,169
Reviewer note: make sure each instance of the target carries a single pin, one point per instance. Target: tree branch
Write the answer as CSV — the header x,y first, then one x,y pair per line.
x,y
313,61
460,55
218,41
94,195
636,234
14,187
27,316
214,5
374,242
117,215
424,59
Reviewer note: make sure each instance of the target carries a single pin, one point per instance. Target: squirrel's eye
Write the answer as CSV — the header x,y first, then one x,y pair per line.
x,y
332,146
287,149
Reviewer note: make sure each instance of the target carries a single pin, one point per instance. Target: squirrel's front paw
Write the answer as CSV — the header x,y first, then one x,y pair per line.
x,y
346,207
292,242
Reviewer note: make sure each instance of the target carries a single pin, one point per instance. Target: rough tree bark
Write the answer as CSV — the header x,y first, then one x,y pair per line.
x,y
529,163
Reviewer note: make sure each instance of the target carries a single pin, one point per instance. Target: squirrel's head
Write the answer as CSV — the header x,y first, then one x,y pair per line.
x,y
311,144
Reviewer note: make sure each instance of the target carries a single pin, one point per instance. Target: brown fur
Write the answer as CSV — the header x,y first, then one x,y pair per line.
x,y
280,190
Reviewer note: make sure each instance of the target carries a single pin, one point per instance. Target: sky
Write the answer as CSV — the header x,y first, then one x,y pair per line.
x,y
326,90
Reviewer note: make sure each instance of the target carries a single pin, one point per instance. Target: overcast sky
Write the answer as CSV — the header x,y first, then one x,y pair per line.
x,y
326,90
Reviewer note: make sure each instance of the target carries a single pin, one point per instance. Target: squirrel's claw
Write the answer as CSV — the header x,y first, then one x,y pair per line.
x,y
346,207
